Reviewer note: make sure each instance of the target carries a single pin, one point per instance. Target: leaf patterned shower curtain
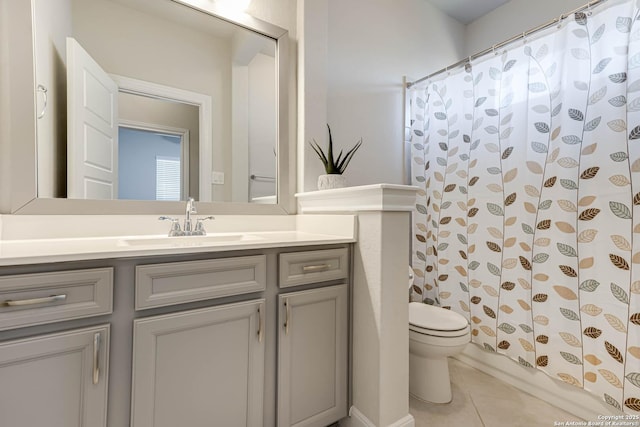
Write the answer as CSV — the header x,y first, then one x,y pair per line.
x,y
528,217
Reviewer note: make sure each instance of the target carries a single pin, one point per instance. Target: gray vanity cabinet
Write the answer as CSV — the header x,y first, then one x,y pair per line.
x,y
200,367
312,356
181,340
55,380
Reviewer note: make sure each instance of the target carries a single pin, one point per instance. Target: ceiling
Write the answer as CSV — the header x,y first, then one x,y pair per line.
x,y
466,11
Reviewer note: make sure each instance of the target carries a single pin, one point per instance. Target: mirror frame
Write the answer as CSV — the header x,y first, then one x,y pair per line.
x,y
23,139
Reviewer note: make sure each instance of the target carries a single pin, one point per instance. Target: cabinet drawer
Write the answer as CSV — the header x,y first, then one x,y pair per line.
x,y
299,268
33,299
159,285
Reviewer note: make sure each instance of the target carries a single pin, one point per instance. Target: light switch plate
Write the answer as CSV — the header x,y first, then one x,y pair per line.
x,y
217,177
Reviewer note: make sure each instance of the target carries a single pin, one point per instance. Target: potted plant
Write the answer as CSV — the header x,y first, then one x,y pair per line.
x,y
334,168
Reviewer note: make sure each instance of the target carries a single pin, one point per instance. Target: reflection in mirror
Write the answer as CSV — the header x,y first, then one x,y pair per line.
x,y
205,92
154,134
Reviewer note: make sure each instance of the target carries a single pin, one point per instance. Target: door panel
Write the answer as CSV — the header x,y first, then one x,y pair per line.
x,y
49,380
312,357
92,127
200,368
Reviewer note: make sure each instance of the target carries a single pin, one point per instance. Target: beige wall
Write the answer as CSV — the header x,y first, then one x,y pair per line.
x,y
371,45
254,116
278,12
513,18
262,116
353,55
5,152
18,184
53,24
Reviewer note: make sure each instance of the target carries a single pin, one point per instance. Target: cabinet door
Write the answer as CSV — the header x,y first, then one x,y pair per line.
x,y
200,368
57,380
312,357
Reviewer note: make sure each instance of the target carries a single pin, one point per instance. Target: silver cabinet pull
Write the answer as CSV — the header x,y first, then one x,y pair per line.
x,y
287,316
96,358
312,268
34,301
260,327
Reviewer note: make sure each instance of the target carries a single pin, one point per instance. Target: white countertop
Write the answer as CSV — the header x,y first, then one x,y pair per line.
x,y
46,239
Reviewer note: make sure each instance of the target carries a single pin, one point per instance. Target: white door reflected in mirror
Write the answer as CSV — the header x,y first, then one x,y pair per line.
x,y
92,151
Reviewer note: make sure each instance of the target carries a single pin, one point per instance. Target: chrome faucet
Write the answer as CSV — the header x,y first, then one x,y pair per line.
x,y
189,229
191,209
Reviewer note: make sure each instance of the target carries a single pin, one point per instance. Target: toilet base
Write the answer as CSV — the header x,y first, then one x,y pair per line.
x,y
429,380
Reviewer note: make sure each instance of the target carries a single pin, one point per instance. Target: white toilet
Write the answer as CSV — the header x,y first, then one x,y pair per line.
x,y
434,334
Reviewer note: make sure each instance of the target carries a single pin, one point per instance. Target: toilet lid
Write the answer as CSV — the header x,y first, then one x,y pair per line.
x,y
425,316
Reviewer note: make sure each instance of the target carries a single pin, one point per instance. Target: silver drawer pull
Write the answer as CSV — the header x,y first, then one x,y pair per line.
x,y
96,358
260,327
287,319
312,268
34,301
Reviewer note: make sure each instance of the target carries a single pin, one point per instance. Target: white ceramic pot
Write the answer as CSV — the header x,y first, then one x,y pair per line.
x,y
326,182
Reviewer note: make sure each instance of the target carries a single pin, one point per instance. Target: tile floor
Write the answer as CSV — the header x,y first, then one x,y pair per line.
x,y
480,400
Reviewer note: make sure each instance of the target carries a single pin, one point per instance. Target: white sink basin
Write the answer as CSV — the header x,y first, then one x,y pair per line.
x,y
178,241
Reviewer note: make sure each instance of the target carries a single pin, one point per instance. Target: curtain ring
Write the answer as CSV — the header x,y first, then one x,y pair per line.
x,y
493,49
524,37
560,18
589,9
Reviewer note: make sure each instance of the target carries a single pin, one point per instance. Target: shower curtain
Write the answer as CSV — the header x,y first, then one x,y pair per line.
x,y
527,220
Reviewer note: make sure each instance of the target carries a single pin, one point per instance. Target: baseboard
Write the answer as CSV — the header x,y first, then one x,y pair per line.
x,y
407,421
358,419
569,398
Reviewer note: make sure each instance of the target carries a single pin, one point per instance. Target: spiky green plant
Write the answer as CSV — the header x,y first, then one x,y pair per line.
x,y
338,165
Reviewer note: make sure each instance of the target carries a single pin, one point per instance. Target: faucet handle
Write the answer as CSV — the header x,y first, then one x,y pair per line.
x,y
175,225
200,227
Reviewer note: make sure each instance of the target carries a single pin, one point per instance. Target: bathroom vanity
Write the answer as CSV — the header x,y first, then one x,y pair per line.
x,y
228,332
86,346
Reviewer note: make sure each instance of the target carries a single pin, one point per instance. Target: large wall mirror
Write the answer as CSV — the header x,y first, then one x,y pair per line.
x,y
140,104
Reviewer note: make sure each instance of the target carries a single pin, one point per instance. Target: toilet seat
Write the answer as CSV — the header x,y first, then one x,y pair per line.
x,y
436,321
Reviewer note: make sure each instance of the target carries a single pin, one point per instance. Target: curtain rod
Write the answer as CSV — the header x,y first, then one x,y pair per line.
x,y
508,41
